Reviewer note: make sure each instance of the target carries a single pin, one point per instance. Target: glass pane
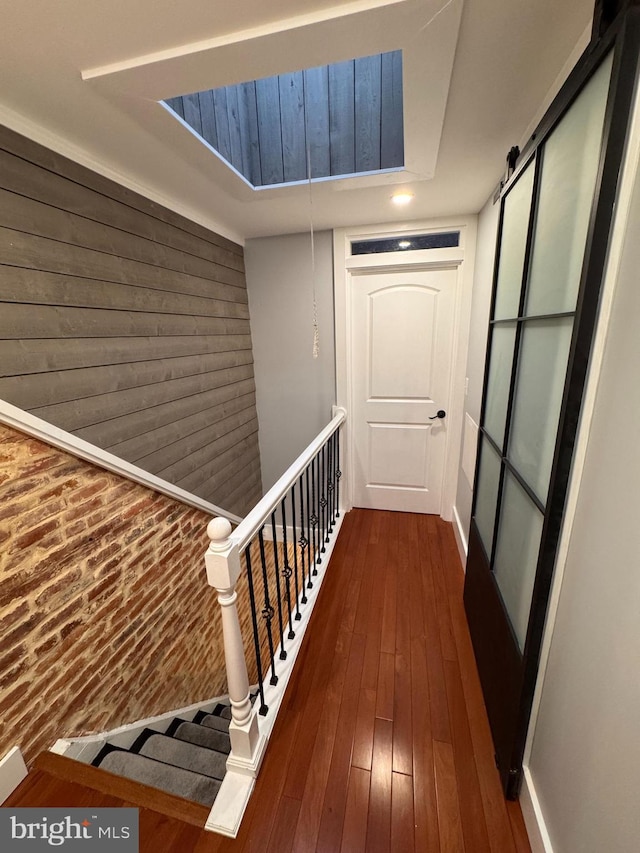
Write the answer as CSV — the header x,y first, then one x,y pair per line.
x,y
569,170
410,243
517,554
500,364
487,494
541,374
512,246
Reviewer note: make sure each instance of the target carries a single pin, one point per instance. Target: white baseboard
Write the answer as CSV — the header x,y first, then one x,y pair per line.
x,y
461,539
12,771
86,748
533,817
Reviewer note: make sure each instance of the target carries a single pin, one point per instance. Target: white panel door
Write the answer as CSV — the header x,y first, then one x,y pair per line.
x,y
401,351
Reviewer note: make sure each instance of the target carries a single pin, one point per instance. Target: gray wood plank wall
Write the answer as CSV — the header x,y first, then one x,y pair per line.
x,y
344,118
127,324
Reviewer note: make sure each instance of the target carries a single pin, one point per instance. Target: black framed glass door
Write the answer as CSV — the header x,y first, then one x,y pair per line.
x,y
554,229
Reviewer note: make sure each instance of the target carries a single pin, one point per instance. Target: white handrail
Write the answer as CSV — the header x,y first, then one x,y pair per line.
x,y
249,526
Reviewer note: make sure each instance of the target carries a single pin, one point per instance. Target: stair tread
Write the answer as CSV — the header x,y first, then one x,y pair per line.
x,y
176,780
213,721
189,756
203,736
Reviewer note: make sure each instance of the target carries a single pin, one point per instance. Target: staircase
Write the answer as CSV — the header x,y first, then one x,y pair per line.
x,y
187,760
282,548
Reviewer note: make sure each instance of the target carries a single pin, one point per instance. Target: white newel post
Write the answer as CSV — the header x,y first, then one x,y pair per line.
x,y
222,560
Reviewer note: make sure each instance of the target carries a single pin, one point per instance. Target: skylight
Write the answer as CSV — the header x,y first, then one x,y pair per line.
x,y
342,119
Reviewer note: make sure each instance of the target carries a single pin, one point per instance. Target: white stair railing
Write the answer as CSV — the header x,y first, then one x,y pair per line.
x,y
283,545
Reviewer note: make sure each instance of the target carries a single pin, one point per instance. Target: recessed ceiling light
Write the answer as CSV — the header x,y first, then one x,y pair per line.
x,y
402,198
404,244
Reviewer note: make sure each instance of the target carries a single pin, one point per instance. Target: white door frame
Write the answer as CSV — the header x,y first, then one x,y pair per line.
x,y
346,265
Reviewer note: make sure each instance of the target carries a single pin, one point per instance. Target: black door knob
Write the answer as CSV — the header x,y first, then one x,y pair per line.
x,y
439,414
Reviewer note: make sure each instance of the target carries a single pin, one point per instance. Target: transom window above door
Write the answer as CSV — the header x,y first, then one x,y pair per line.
x,y
406,243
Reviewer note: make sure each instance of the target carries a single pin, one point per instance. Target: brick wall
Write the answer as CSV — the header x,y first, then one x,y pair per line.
x,y
105,613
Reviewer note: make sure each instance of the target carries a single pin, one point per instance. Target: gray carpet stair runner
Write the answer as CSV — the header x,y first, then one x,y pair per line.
x,y
188,759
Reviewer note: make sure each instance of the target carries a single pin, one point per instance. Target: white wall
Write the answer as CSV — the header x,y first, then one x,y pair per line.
x,y
294,391
481,298
585,759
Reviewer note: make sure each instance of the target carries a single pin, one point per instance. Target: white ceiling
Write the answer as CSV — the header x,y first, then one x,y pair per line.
x,y
84,77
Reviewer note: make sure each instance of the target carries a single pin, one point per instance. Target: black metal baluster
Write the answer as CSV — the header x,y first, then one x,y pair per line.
x,y
323,500
302,542
295,549
267,611
287,570
283,654
314,517
254,622
338,473
309,581
333,480
319,509
329,491
329,486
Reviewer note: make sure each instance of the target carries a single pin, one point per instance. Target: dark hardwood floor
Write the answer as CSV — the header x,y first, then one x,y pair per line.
x,y
382,743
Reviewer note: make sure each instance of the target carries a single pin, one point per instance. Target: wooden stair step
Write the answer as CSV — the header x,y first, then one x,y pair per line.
x,y
131,792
